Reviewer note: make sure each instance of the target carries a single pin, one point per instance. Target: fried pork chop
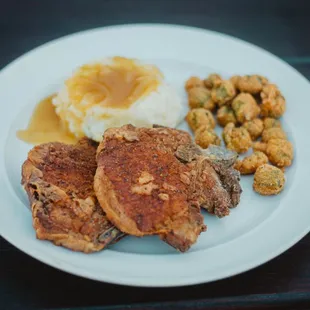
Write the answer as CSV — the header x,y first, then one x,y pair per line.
x,y
147,183
58,179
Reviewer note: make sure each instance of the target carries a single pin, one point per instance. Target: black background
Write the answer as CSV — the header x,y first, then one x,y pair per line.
x,y
281,27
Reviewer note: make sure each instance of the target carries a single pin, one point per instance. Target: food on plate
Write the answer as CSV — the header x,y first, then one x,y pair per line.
x,y
245,107
237,139
193,82
254,127
213,80
249,165
259,146
58,179
273,103
114,92
45,126
248,107
200,97
270,122
146,186
223,93
200,117
280,152
139,185
146,179
273,133
234,79
213,198
225,115
220,156
252,84
204,136
268,180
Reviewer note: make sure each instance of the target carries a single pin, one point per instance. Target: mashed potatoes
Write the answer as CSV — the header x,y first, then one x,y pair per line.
x,y
115,92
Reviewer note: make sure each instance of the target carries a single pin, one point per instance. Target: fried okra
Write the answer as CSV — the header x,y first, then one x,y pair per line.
x,y
200,117
192,82
254,127
213,80
204,136
259,147
200,97
249,164
234,79
237,139
280,152
225,115
270,122
223,93
273,103
273,133
252,84
268,180
245,108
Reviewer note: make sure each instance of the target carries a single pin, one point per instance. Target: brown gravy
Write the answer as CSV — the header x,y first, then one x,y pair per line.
x,y
117,85
45,126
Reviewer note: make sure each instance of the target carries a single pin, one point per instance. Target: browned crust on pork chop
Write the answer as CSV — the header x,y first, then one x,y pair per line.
x,y
139,184
58,179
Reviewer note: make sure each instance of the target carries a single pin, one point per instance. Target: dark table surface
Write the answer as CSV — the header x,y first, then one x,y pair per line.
x,y
281,27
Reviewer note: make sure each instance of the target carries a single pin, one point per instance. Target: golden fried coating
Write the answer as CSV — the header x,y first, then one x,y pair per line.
x,y
270,122
223,93
273,103
213,80
254,127
225,115
200,117
245,108
280,152
204,136
259,147
58,179
234,79
268,180
144,188
200,97
192,82
249,164
252,84
237,139
273,133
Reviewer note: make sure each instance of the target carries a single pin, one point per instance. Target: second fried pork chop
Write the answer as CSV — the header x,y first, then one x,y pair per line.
x,y
58,179
145,188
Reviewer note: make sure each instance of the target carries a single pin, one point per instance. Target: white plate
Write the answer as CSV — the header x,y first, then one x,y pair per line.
x,y
259,229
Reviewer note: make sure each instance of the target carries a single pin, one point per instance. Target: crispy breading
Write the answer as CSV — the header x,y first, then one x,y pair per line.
x,y
226,115
268,180
254,127
223,93
204,136
273,103
252,84
155,182
245,107
236,139
200,117
273,133
58,179
200,97
193,82
280,152
139,208
249,164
